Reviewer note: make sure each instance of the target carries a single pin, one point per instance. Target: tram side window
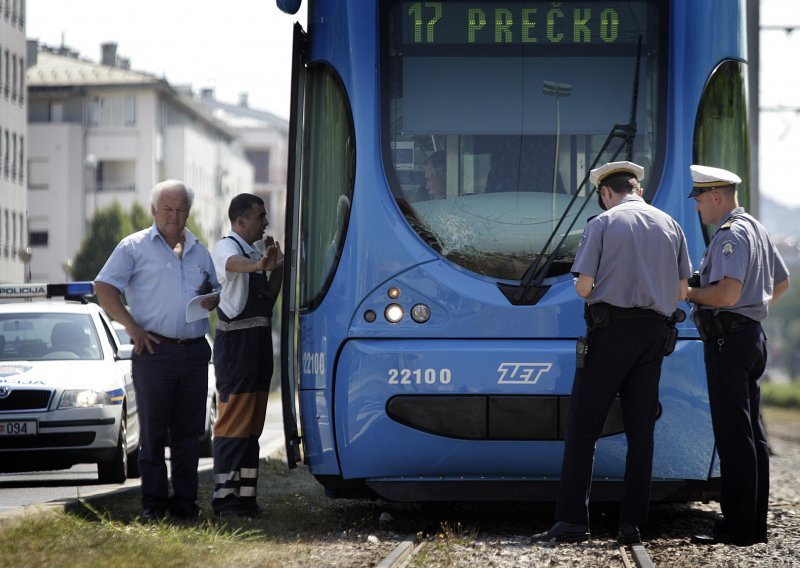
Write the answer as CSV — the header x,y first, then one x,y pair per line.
x,y
328,175
721,136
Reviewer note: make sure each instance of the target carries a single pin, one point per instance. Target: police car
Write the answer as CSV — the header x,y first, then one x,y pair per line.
x,y
66,395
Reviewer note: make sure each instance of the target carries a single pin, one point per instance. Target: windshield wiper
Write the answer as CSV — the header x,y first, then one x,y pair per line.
x,y
530,289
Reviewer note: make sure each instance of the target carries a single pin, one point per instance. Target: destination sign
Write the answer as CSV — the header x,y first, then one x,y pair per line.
x,y
510,23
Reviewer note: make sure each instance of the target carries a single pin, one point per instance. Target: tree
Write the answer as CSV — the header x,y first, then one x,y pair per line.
x,y
141,218
108,227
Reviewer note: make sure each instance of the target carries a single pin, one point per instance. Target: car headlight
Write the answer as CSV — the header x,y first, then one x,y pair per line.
x,y
83,398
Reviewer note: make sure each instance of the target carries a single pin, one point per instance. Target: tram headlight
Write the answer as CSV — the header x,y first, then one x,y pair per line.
x,y
420,313
393,313
394,292
369,316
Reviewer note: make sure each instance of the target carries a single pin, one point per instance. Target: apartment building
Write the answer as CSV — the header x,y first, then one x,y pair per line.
x,y
102,132
14,253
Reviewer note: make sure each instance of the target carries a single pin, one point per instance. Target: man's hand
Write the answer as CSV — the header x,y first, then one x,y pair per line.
x,y
273,256
210,303
141,339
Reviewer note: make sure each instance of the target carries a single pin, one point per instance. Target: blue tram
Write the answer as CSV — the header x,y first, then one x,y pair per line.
x,y
437,192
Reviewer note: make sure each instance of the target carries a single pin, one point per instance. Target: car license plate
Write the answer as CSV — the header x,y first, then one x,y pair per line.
x,y
18,428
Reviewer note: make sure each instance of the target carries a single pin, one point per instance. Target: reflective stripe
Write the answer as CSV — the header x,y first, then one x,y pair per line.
x,y
249,472
223,477
223,492
247,491
261,321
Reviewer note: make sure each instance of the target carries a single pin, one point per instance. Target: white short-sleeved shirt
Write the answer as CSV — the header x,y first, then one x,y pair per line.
x,y
235,285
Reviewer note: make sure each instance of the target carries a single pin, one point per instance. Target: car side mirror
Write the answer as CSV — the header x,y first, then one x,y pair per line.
x,y
125,351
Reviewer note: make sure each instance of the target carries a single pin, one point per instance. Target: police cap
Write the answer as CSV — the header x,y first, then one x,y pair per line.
x,y
706,178
597,175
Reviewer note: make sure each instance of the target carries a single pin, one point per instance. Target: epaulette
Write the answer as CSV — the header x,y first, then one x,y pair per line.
x,y
727,224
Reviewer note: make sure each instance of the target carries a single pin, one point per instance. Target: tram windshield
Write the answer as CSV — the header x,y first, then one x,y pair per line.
x,y
493,112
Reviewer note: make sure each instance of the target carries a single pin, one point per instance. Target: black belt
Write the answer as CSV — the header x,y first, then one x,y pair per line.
x,y
635,313
733,322
173,341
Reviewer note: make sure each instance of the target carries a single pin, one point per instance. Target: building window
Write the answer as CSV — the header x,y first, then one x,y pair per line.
x,y
14,80
6,156
37,238
38,173
7,80
260,162
130,110
14,156
21,80
112,110
21,159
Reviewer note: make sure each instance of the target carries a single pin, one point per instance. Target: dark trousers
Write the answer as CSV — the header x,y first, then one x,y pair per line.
x,y
734,395
171,388
243,364
624,358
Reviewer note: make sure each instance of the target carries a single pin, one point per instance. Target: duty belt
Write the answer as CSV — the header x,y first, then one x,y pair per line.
x,y
261,321
712,326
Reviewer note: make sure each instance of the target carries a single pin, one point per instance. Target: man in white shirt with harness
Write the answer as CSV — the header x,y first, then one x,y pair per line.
x,y
243,352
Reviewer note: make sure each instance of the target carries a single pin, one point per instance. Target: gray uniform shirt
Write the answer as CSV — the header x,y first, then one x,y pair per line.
x,y
636,255
744,251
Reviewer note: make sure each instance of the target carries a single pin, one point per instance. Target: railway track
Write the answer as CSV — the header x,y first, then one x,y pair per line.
x,y
412,547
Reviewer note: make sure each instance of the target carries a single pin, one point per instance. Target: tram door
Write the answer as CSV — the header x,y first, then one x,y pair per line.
x,y
290,368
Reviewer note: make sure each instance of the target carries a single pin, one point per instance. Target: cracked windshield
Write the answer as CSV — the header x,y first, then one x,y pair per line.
x,y
493,115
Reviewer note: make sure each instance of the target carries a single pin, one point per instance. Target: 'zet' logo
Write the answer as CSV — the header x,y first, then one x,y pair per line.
x,y
521,373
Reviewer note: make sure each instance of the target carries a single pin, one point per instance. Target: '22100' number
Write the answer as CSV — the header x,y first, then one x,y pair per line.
x,y
419,376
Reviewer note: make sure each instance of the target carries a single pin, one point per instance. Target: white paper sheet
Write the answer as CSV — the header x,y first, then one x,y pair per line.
x,y
194,311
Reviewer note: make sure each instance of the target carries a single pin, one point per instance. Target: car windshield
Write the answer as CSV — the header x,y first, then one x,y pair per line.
x,y
40,336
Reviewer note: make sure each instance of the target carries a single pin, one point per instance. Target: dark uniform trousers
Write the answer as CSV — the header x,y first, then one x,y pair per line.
x,y
243,364
624,358
171,388
733,369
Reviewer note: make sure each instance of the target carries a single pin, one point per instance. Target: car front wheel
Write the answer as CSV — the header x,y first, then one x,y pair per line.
x,y
116,469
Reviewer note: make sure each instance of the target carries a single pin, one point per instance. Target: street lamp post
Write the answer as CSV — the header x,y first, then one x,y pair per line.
x,y
25,256
555,89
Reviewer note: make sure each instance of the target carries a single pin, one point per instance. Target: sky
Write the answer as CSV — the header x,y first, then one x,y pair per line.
x,y
251,52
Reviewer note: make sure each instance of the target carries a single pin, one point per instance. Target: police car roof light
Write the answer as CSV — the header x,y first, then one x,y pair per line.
x,y
69,291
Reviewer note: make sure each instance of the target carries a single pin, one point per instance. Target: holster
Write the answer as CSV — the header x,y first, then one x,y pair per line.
x,y
597,315
672,331
708,326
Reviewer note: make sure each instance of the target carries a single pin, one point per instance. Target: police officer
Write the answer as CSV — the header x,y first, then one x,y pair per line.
x,y
632,268
740,274
243,352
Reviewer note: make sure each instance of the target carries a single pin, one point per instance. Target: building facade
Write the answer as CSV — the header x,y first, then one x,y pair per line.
x,y
265,140
14,254
100,133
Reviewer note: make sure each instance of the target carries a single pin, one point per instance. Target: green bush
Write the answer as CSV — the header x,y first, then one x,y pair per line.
x,y
781,394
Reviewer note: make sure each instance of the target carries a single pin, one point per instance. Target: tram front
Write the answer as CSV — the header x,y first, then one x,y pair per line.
x,y
439,206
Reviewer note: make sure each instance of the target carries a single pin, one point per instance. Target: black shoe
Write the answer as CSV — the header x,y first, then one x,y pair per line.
x,y
629,534
250,510
188,513
152,515
703,539
563,532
